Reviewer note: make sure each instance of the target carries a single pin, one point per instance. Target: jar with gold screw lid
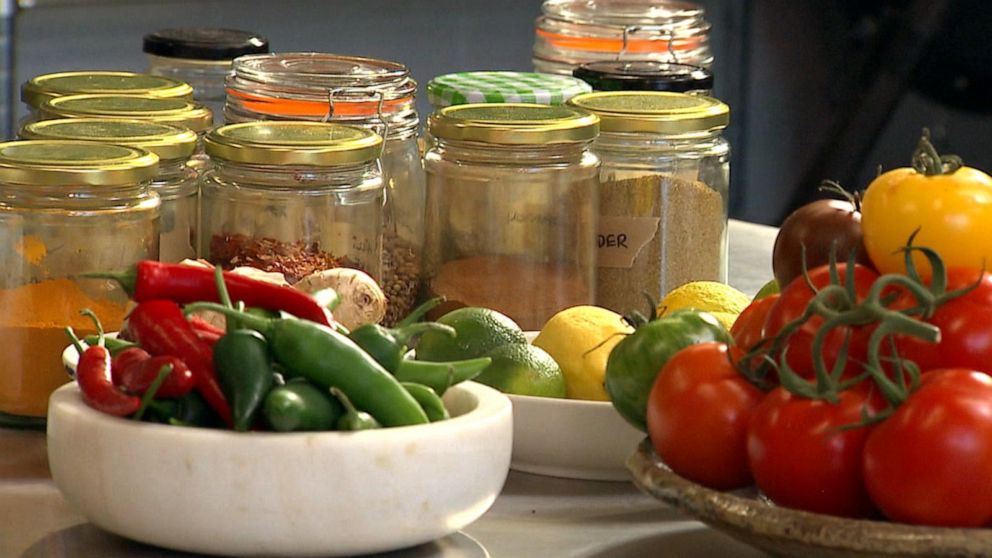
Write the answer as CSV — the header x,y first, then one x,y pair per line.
x,y
512,209
372,93
66,208
175,183
180,112
663,194
37,90
293,197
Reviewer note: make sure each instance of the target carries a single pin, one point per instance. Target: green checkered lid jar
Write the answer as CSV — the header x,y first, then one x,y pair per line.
x,y
503,87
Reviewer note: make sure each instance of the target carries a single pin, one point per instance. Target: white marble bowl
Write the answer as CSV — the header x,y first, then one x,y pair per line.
x,y
295,494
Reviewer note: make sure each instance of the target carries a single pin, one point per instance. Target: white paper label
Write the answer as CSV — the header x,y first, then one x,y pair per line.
x,y
621,239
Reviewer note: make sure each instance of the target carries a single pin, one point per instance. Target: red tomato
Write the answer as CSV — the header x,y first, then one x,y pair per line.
x,y
800,457
965,335
748,328
792,303
698,413
930,462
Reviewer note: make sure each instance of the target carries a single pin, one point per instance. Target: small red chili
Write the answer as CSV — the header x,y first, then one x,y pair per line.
x,y
124,359
94,377
139,376
205,330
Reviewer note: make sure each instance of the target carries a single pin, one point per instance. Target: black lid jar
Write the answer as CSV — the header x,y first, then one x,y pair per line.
x,y
646,75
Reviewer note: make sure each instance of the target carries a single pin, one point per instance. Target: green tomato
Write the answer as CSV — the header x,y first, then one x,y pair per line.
x,y
636,361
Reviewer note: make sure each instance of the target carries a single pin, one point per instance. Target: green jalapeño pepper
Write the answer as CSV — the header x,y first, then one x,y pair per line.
x,y
298,405
188,410
244,370
353,419
429,400
439,376
635,361
330,359
387,346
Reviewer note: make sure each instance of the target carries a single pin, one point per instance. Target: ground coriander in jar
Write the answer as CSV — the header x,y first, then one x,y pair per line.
x,y
366,92
293,197
66,208
175,183
512,209
663,193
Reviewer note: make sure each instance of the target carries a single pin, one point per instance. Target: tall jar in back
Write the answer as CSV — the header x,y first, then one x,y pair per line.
x,y
512,209
201,57
293,197
66,208
663,193
571,32
366,92
39,89
175,183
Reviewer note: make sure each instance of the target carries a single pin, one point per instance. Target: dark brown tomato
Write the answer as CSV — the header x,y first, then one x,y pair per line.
x,y
819,226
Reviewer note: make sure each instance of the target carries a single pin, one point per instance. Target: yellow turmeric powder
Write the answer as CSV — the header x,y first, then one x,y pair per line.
x,y
32,337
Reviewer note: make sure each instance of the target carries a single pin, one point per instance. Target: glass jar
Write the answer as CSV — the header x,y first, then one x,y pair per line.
x,y
66,208
183,113
175,183
512,209
366,92
200,57
572,32
37,90
663,193
646,75
293,197
502,87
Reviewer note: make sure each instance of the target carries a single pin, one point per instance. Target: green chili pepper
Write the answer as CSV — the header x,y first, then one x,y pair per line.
x,y
113,344
328,358
299,405
353,419
244,370
387,346
439,376
428,399
188,410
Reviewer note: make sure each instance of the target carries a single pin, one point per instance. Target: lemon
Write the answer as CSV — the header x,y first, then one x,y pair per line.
x,y
523,369
478,330
580,339
719,299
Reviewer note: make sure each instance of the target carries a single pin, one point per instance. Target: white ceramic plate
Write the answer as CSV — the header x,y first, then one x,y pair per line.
x,y
292,494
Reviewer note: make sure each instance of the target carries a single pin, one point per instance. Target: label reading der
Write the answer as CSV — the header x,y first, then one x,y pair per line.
x,y
621,239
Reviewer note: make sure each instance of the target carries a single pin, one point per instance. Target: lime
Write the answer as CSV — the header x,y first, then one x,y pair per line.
x,y
767,289
580,339
523,369
478,330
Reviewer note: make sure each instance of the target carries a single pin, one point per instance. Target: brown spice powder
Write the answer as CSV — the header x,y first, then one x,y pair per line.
x,y
295,260
688,245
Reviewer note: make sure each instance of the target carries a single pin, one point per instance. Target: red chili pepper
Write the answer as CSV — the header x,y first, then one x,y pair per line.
x,y
160,327
205,330
140,375
151,280
97,386
124,359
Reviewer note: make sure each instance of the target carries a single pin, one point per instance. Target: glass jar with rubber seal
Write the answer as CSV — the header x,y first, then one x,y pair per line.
x,y
367,92
66,208
646,75
293,197
175,183
512,209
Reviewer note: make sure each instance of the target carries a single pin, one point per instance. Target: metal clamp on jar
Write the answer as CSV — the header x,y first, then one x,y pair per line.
x,y
66,208
377,94
293,197
663,194
512,209
175,183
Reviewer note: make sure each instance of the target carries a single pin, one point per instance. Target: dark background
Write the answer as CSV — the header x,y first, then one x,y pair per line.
x,y
818,88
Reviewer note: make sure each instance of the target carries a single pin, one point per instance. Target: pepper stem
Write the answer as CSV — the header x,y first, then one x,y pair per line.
x,y
404,334
420,311
99,327
149,395
258,323
126,279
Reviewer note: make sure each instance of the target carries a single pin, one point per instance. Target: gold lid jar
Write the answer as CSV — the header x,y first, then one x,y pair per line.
x,y
512,208
66,208
41,88
293,197
172,111
175,183
665,182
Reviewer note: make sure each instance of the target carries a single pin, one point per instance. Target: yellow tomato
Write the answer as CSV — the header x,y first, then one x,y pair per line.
x,y
953,213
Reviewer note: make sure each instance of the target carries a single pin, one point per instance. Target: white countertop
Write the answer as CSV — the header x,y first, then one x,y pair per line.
x,y
535,516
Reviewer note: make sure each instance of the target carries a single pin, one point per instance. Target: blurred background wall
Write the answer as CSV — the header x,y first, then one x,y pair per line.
x,y
818,88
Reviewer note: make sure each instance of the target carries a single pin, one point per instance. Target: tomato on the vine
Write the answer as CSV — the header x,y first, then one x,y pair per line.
x,y
698,413
748,328
802,455
791,304
950,204
930,462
